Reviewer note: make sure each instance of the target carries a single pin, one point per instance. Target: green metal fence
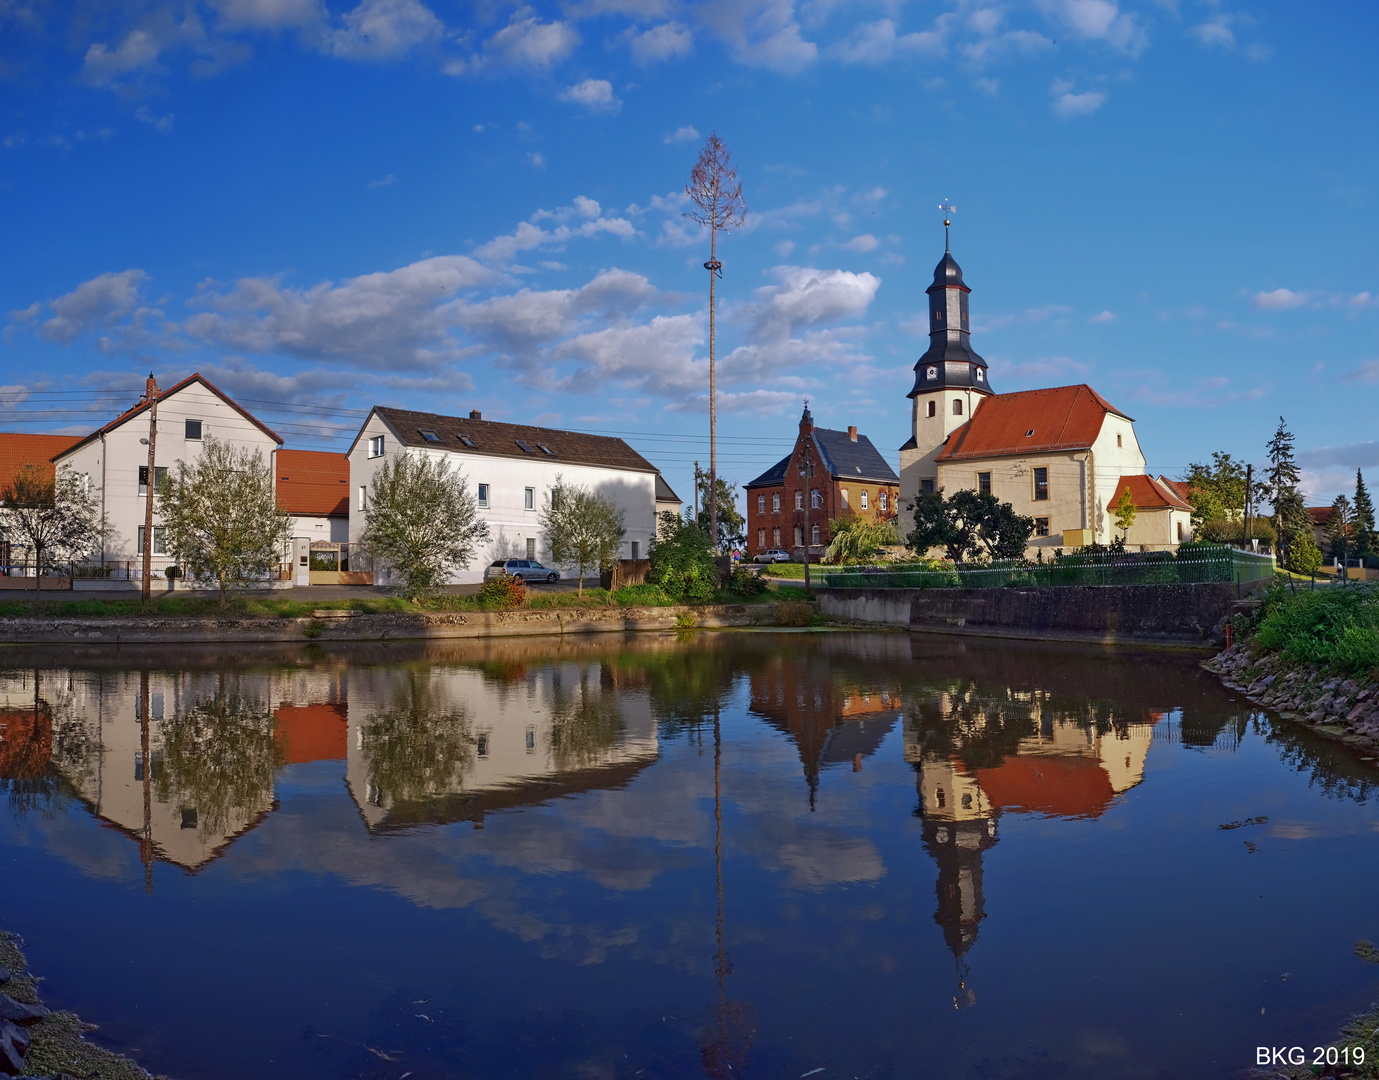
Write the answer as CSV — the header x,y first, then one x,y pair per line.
x,y
1200,564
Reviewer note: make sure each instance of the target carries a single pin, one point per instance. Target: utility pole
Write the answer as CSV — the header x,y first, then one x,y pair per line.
x,y
146,837
150,395
1249,494
696,492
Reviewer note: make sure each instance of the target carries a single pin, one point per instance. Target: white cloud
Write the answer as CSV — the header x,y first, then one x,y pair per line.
x,y
1278,299
596,95
527,42
1215,32
687,133
528,235
387,181
160,124
657,357
383,30
536,161
784,248
998,47
865,242
659,43
990,87
877,42
806,297
104,66
1067,104
760,33
92,305
1368,372
268,14
1102,317
1362,299
1098,20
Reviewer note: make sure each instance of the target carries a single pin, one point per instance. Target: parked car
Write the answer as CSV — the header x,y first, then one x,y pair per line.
x,y
522,570
773,555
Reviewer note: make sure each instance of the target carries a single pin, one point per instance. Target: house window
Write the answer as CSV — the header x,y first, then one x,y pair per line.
x,y
376,446
984,483
483,494
159,473
933,408
531,547
468,441
363,498
926,486
429,435
636,549
481,745
1041,484
1041,526
546,449
864,500
529,498
761,539
775,537
775,503
159,540
957,406
816,535
1118,442
761,504
799,536
814,501
799,500
844,493
881,501
194,430
1180,532
524,446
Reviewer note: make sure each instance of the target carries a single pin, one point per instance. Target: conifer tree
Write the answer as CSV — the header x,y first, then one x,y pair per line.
x,y
1281,484
1365,540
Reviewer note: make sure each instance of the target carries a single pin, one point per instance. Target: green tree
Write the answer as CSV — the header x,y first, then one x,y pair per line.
x,y
1004,533
1217,490
1340,529
1124,510
583,529
1365,539
682,561
855,539
969,523
422,521
1304,557
58,519
222,516
1281,488
730,522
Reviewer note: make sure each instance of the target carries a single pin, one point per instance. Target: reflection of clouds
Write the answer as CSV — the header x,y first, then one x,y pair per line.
x,y
832,860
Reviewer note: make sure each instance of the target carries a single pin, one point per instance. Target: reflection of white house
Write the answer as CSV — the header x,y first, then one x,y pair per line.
x,y
510,468
560,731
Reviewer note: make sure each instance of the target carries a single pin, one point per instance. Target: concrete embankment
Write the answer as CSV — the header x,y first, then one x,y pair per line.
x,y
1332,705
1110,614
330,625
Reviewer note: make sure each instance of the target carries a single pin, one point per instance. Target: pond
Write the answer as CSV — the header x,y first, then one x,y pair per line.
x,y
717,854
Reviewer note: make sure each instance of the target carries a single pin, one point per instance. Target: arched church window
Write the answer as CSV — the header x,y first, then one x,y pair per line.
x,y
957,406
933,408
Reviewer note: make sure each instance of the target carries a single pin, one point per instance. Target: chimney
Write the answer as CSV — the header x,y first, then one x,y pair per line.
x,y
150,388
852,433
475,414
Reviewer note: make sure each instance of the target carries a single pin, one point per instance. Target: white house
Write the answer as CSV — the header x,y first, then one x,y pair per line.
x,y
115,458
511,469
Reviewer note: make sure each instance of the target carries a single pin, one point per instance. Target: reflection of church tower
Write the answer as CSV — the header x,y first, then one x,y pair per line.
x,y
959,826
950,380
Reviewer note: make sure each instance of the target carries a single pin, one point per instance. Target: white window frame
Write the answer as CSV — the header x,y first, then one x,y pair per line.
x,y
160,540
864,500
484,496
815,541
159,471
377,446
775,503
799,500
881,501
815,499
363,498
529,498
761,504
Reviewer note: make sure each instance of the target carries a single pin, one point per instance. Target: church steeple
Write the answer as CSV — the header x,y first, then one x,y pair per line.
x,y
949,362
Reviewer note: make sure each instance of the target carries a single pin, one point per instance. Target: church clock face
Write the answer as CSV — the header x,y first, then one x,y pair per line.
x,y
932,373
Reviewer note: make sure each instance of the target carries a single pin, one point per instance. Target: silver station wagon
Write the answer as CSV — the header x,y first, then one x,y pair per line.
x,y
522,570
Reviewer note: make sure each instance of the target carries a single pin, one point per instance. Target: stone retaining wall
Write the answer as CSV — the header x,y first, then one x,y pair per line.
x,y
344,626
1172,614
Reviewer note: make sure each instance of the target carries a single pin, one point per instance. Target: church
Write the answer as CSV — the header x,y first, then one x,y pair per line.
x,y
1061,456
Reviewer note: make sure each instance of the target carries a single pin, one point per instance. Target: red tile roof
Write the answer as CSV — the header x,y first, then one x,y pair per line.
x,y
18,449
1149,494
1063,418
1320,515
1059,786
314,483
1181,488
310,733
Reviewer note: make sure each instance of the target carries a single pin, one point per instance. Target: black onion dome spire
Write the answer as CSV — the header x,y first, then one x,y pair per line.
x,y
949,361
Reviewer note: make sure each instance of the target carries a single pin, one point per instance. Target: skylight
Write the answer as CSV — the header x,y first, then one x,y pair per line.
x,y
466,440
429,435
1029,433
526,446
546,449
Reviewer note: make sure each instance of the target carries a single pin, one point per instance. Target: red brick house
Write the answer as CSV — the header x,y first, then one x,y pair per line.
x,y
827,475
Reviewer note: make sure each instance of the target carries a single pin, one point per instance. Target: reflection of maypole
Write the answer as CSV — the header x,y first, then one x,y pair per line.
x,y
723,1048
146,840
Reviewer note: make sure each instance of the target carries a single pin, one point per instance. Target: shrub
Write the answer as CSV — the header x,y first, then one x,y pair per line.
x,y
641,596
503,592
794,613
743,582
1336,627
685,621
682,563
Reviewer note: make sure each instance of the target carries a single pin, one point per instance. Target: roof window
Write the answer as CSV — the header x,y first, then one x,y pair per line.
x,y
429,435
546,449
466,440
1029,433
526,446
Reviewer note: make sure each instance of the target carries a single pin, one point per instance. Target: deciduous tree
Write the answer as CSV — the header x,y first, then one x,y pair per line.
x,y
682,561
1124,512
222,516
421,520
57,519
969,523
855,539
730,522
583,529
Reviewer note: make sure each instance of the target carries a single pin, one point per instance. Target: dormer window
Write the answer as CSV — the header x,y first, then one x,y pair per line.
x,y
932,373
981,375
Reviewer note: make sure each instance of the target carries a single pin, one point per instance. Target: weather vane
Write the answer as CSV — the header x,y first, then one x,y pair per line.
x,y
948,211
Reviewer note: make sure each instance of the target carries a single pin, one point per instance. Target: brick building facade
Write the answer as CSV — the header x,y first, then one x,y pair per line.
x,y
827,475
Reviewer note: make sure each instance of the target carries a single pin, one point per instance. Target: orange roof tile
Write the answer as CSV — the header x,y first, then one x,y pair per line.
x,y
1062,418
1149,494
314,483
1060,786
18,449
310,733
1181,488
1320,515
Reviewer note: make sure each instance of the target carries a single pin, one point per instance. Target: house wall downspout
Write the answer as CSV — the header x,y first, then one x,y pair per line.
x,y
104,523
1091,498
1082,464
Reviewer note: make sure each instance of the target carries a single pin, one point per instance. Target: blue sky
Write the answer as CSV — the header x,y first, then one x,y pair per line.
x,y
323,206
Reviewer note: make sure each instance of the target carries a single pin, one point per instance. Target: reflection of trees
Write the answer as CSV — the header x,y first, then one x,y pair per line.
x,y
686,685
218,759
43,742
585,723
1332,766
418,747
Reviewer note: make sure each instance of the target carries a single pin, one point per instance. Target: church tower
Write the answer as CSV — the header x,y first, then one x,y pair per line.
x,y
950,380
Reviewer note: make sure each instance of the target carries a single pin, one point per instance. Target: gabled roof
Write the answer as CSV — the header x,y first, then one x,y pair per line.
x,y
1320,515
313,483
142,407
18,449
493,438
773,476
849,460
664,492
1031,422
1149,494
1181,488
